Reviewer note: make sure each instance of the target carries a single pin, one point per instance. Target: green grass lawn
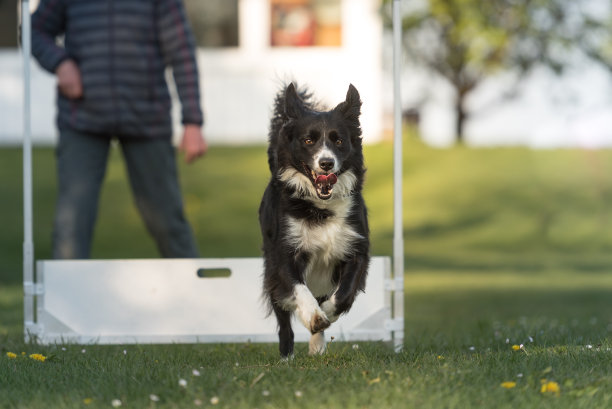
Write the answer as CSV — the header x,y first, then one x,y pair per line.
x,y
503,247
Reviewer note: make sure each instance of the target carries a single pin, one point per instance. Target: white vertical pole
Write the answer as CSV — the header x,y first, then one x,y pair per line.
x,y
28,244
398,227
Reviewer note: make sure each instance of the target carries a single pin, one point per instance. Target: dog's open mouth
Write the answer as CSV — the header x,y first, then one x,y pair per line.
x,y
324,183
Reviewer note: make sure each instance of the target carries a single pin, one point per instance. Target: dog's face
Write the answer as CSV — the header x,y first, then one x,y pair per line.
x,y
321,144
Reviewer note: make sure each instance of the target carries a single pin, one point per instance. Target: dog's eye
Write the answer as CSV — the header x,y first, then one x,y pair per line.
x,y
308,141
338,142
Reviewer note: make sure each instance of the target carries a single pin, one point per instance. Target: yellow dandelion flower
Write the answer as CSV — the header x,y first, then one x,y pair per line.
x,y
508,385
38,357
11,355
373,381
440,357
515,347
550,387
87,401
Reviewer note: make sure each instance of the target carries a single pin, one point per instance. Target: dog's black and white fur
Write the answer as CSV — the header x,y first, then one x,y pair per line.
x,y
313,217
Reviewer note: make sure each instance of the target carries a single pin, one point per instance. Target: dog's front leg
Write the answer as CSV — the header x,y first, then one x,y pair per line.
x,y
352,280
308,310
302,301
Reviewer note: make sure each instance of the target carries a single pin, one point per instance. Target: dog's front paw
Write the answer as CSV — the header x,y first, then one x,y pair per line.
x,y
319,322
329,308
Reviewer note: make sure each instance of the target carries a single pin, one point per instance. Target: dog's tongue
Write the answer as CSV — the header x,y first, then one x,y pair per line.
x,y
326,181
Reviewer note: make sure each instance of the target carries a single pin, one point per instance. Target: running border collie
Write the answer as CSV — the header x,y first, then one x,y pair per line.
x,y
312,215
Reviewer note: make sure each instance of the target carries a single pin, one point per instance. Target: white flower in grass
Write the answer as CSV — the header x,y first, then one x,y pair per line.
x,y
83,351
265,392
154,397
589,346
195,372
115,403
124,352
472,348
182,383
519,375
214,400
298,394
355,346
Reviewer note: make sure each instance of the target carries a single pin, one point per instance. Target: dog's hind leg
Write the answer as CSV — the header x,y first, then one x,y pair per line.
x,y
285,333
317,344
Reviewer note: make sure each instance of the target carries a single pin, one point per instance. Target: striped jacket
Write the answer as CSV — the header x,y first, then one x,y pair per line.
x,y
122,48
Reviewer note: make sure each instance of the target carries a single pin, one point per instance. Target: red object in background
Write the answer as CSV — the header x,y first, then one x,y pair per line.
x,y
292,25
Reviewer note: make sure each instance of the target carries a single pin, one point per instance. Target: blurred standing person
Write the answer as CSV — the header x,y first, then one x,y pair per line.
x,y
110,70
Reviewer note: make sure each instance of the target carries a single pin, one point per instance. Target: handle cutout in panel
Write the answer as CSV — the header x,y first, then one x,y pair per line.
x,y
214,272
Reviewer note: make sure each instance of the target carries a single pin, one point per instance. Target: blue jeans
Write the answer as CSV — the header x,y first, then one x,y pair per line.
x,y
151,166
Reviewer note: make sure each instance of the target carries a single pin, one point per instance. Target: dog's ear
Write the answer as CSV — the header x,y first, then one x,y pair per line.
x,y
351,107
294,106
350,110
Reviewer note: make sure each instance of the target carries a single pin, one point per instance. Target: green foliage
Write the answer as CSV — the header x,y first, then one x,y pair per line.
x,y
596,37
466,41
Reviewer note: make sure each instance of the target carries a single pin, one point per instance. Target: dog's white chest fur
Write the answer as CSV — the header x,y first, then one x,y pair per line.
x,y
327,243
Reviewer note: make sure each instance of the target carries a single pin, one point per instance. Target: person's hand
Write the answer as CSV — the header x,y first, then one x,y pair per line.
x,y
193,143
69,79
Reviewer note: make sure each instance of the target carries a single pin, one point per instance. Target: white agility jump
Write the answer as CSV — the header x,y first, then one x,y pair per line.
x,y
183,301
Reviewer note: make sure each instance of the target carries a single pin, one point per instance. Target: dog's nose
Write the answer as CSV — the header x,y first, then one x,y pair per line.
x,y
326,163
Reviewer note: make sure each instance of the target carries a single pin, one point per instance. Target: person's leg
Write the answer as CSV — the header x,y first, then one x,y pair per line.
x,y
153,175
81,165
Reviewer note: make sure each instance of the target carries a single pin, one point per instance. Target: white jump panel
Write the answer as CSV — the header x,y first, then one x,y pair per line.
x,y
167,301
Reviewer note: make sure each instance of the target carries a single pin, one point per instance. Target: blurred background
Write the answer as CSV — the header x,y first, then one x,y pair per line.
x,y
507,168
497,73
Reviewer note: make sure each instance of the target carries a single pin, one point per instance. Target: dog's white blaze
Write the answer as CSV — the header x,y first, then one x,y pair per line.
x,y
325,152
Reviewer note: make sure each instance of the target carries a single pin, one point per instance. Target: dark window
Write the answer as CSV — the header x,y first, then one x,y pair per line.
x,y
8,23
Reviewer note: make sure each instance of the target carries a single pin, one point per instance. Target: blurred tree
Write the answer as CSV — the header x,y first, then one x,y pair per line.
x,y
596,35
465,41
